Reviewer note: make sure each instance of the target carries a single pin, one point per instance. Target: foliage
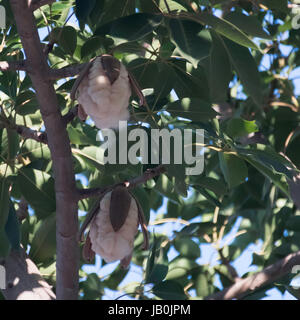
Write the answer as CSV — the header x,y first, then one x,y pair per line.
x,y
216,65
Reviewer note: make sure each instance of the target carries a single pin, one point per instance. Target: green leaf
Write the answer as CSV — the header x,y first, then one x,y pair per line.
x,y
166,188
239,127
38,189
225,28
293,223
84,8
269,173
213,200
158,273
35,150
246,68
43,245
143,71
130,28
92,287
115,278
180,267
142,197
248,24
169,290
187,247
269,158
192,42
91,46
90,156
4,202
172,5
191,108
220,70
216,186
68,39
151,258
157,263
12,228
202,285
280,5
234,169
78,137
26,103
188,81
9,144
176,173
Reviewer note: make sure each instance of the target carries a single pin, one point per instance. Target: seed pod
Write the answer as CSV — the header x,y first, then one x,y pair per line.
x,y
110,244
113,225
87,253
119,207
103,90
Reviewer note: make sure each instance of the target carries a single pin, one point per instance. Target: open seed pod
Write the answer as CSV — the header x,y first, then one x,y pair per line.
x,y
113,225
103,90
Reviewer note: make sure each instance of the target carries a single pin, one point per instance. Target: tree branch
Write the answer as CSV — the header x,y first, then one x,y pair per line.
x,y
131,184
231,270
69,71
36,4
22,212
13,65
67,264
24,131
23,279
258,280
70,115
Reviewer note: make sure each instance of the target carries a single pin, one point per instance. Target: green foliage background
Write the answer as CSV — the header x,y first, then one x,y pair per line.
x,y
216,70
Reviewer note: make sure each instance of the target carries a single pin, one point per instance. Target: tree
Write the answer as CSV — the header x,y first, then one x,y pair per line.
x,y
223,66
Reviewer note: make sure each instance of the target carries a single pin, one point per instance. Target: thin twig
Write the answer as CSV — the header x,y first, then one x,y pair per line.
x,y
66,72
167,6
25,132
13,65
131,184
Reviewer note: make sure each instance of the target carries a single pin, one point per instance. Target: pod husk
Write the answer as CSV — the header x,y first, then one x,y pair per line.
x,y
87,252
111,66
89,217
119,207
143,223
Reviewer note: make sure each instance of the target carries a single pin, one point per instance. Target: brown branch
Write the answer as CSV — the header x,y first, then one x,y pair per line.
x,y
23,279
67,250
13,65
258,280
36,4
69,71
25,132
28,133
22,212
70,115
131,184
231,270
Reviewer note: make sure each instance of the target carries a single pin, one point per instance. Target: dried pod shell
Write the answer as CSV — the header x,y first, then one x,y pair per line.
x,y
113,245
87,252
119,207
105,85
103,91
113,221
